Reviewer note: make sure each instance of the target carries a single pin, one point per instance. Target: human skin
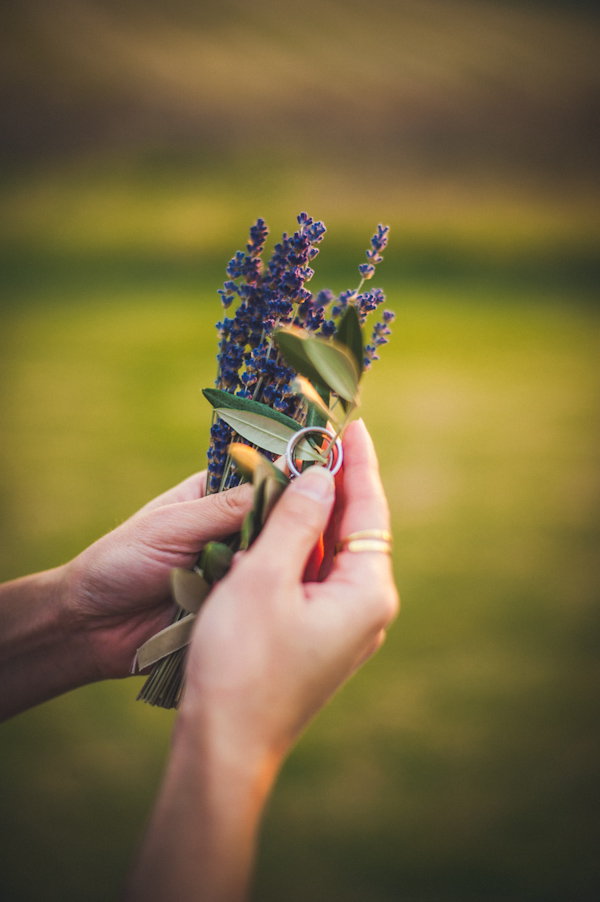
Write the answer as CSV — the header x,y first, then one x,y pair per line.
x,y
268,651
269,648
83,621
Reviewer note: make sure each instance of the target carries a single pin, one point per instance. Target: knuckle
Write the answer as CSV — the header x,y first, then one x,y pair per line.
x,y
302,526
294,520
388,605
234,501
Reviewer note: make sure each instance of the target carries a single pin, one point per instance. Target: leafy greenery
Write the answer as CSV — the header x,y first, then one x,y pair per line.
x,y
350,335
227,401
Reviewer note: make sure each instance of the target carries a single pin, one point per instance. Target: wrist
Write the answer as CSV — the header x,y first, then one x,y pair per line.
x,y
66,635
42,653
218,739
79,623
207,817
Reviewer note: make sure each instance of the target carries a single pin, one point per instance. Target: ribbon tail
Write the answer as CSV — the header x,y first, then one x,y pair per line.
x,y
171,639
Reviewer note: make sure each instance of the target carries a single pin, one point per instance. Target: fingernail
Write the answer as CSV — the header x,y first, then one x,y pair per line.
x,y
317,483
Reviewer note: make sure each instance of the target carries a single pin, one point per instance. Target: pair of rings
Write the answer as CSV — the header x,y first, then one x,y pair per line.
x,y
335,454
379,540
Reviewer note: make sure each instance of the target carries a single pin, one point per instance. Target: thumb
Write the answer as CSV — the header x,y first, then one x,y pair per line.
x,y
189,525
297,521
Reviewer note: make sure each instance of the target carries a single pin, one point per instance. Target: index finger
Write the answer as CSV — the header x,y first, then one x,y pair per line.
x,y
190,489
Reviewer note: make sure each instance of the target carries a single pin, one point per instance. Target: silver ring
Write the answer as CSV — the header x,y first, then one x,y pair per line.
x,y
334,459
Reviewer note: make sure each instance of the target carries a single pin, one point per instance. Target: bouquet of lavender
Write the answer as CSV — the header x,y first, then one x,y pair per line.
x,y
289,369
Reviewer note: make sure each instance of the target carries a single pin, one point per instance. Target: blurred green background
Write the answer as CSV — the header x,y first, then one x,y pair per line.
x,y
139,141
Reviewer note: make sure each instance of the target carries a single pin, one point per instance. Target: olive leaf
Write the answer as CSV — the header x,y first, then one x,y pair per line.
x,y
273,490
224,400
246,458
267,470
265,432
349,334
336,366
321,362
291,343
251,462
216,561
302,386
269,484
250,530
189,589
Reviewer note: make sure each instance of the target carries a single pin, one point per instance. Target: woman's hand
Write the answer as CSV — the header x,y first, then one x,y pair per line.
x,y
118,590
267,652
84,621
270,649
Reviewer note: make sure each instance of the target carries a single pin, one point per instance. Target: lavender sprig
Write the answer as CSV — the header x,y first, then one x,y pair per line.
x,y
277,321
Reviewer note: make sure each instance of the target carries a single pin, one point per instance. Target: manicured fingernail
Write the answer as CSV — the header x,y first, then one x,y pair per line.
x,y
317,483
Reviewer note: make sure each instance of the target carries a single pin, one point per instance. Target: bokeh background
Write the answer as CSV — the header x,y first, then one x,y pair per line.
x,y
139,140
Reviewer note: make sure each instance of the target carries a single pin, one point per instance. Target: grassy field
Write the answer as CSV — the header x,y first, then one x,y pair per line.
x,y
462,762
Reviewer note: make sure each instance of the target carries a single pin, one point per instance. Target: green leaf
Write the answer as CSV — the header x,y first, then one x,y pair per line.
x,y
336,366
321,362
314,416
302,386
267,470
224,400
189,589
258,505
272,493
265,432
349,334
246,459
292,345
248,533
216,561
269,484
254,465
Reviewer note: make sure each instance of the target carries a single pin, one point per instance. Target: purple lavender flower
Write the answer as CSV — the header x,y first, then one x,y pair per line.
x,y
378,243
258,235
272,295
220,437
381,336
